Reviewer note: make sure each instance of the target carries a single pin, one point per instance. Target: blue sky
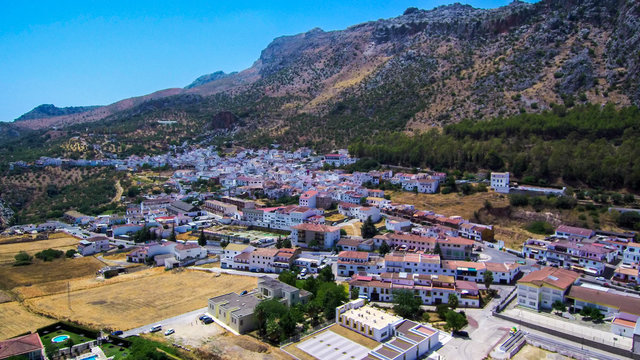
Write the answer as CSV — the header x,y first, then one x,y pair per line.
x,y
72,53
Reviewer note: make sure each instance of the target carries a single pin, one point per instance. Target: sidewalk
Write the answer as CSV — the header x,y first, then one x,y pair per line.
x,y
571,327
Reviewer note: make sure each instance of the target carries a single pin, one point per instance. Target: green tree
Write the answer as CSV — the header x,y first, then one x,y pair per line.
x,y
286,243
368,229
330,296
355,292
453,301
202,239
22,258
487,279
288,277
455,321
425,317
172,236
326,274
273,330
405,304
442,309
559,306
279,243
70,253
384,248
343,232
437,250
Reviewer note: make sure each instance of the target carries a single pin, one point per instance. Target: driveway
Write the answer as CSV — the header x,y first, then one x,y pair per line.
x,y
166,323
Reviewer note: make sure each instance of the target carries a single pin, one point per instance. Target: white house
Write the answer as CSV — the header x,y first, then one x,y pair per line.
x,y
93,245
500,182
189,251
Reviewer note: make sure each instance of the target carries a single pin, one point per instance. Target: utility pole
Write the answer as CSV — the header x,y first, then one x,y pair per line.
x,y
69,295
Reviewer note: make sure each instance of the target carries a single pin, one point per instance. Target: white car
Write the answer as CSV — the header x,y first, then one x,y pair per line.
x,y
169,332
600,278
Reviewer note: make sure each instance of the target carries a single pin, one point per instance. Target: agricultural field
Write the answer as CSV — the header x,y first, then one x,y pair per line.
x,y
43,273
9,247
16,320
137,299
452,204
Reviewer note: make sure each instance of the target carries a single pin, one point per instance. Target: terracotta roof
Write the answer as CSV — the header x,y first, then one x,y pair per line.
x,y
626,304
625,323
20,345
186,246
265,252
556,277
353,255
316,227
575,230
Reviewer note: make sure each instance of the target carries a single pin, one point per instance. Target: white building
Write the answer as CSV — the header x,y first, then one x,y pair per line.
x,y
307,234
500,182
540,289
366,320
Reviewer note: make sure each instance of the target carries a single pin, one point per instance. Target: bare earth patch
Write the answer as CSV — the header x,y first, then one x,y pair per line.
x,y
449,204
47,271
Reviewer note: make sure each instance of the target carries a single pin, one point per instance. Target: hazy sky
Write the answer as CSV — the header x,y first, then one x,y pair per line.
x,y
72,53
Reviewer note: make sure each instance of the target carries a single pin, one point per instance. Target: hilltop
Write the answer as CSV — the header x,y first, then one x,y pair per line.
x,y
422,69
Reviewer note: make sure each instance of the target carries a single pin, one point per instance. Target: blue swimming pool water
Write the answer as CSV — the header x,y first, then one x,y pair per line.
x,y
60,338
92,357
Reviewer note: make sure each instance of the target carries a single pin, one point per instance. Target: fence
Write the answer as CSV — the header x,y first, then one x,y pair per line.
x,y
564,334
504,302
313,330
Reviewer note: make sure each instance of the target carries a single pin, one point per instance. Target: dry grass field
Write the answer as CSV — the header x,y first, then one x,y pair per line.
x,y
58,241
137,299
450,204
45,272
529,352
15,320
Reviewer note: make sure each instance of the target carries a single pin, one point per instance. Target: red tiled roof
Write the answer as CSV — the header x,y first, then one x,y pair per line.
x,y
574,230
21,345
353,255
315,227
560,278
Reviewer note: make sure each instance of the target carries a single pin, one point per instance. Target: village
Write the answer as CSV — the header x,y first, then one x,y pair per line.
x,y
292,227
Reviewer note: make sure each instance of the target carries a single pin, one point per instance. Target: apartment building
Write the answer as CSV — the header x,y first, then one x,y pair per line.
x,y
540,289
307,234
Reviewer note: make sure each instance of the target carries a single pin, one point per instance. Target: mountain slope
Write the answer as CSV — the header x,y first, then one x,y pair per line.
x,y
50,110
415,71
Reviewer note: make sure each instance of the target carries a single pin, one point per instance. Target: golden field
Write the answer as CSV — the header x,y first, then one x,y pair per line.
x,y
450,204
133,300
16,320
45,272
58,241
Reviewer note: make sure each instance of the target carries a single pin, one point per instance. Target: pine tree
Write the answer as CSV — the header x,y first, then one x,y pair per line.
x,y
172,237
202,240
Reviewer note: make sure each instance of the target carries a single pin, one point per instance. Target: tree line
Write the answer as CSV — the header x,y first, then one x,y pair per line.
x,y
588,145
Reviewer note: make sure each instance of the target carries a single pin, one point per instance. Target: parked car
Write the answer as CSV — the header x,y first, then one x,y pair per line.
x,y
169,332
244,292
541,262
207,320
461,333
117,333
600,278
155,328
521,262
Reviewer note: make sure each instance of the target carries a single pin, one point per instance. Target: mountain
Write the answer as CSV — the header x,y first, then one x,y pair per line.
x,y
208,78
49,110
423,69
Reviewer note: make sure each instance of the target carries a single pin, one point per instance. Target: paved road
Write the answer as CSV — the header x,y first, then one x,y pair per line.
x,y
184,317
117,262
234,272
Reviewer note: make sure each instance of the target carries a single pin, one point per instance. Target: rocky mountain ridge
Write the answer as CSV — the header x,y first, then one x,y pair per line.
x,y
422,69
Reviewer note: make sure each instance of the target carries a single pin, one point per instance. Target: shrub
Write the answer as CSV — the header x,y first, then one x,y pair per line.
x,y
49,254
540,227
22,258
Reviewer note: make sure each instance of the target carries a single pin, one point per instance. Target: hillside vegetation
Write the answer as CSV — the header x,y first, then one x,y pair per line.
x,y
587,146
419,70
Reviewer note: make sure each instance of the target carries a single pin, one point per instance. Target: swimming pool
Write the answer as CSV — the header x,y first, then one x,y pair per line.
x,y
92,357
59,338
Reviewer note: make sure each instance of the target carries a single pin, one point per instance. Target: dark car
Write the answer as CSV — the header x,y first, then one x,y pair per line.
x,y
207,320
461,333
201,317
245,292
117,333
541,262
